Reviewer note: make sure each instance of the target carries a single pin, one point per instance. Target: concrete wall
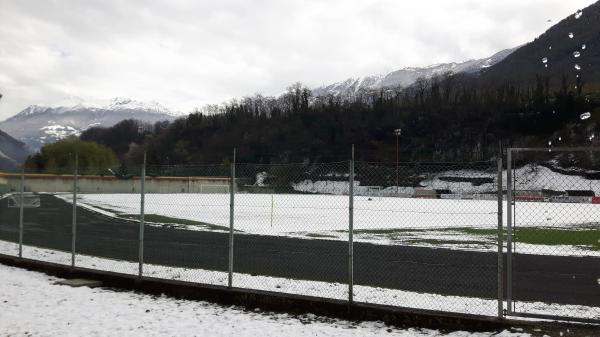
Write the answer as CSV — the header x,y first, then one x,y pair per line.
x,y
108,184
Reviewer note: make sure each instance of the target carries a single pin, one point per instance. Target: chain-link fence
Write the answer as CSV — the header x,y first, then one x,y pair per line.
x,y
107,218
434,236
554,233
425,235
47,215
293,228
186,216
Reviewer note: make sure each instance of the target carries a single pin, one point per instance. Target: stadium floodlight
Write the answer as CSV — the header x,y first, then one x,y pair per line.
x,y
398,133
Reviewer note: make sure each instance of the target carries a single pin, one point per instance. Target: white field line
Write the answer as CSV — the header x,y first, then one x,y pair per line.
x,y
375,295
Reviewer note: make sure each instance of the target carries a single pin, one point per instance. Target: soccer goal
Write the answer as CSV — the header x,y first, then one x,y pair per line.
x,y
29,200
369,191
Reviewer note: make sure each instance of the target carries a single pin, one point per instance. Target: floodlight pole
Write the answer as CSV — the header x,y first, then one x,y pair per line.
x,y
397,132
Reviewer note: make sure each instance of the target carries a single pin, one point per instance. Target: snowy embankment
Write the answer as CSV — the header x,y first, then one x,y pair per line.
x,y
32,305
532,178
375,295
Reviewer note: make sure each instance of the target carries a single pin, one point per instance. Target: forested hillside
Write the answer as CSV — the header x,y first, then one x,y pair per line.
x,y
443,119
569,48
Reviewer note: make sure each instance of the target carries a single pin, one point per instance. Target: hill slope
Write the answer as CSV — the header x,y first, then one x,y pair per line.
x,y
559,45
12,152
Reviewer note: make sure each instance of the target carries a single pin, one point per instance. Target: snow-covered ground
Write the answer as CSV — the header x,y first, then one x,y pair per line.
x,y
33,305
376,295
380,220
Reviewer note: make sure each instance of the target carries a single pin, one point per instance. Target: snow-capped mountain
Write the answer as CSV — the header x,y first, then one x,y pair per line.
x,y
38,125
407,76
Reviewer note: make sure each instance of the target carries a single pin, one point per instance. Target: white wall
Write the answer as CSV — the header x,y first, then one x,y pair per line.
x,y
99,184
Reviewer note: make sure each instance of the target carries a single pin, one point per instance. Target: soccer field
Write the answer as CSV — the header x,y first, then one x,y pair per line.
x,y
540,227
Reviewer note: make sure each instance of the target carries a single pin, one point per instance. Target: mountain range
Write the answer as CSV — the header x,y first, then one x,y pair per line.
x,y
408,76
38,125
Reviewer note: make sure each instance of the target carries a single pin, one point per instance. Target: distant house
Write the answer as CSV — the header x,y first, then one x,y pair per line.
x,y
552,193
440,192
580,195
528,195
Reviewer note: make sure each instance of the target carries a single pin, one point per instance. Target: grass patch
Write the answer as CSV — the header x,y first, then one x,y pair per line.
x,y
583,236
553,237
589,237
161,219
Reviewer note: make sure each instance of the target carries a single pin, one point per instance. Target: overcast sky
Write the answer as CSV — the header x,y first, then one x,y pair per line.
x,y
187,53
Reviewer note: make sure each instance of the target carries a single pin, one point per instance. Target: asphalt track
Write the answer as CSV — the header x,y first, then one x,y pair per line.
x,y
553,279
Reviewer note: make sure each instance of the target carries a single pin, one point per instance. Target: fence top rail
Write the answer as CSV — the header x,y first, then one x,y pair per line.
x,y
292,164
553,149
99,177
432,163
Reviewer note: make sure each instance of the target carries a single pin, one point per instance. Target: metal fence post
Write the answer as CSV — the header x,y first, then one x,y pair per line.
x,y
351,231
500,239
231,217
509,230
21,199
142,204
74,218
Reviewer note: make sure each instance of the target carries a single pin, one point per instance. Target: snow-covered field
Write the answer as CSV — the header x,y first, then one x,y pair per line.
x,y
382,220
376,295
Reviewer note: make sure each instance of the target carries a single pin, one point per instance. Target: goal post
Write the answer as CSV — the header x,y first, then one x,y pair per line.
x,y
211,189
